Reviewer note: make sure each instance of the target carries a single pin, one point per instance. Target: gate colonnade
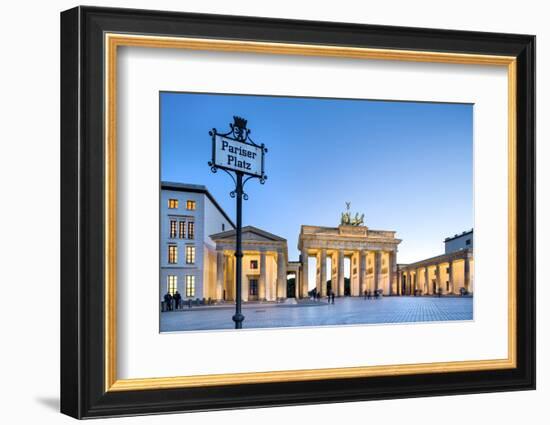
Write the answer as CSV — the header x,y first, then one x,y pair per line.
x,y
372,259
448,274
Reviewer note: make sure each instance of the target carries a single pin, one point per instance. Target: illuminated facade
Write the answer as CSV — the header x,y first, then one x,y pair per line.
x,y
372,255
197,257
188,215
264,262
451,273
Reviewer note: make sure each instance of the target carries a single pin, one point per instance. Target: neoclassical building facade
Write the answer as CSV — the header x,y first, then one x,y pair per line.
x,y
448,274
264,265
372,255
197,255
451,273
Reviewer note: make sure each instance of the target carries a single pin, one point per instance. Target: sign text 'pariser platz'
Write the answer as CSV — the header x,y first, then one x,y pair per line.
x,y
238,156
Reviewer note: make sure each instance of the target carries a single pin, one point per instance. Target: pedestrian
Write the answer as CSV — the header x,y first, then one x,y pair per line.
x,y
168,301
333,296
177,299
365,294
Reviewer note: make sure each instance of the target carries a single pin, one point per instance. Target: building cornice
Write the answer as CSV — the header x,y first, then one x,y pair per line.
x,y
452,256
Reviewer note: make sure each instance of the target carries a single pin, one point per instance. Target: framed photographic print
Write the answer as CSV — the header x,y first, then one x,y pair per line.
x,y
261,212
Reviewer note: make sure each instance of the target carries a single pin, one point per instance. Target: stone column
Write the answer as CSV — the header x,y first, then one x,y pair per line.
x,y
297,285
264,288
437,278
318,272
341,275
323,273
305,273
362,270
399,283
281,275
245,289
335,275
220,260
451,283
393,272
377,261
467,274
426,280
230,278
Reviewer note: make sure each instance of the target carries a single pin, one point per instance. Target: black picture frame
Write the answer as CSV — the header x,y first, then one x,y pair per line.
x,y
83,392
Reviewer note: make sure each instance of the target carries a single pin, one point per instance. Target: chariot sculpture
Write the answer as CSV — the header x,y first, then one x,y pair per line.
x,y
347,219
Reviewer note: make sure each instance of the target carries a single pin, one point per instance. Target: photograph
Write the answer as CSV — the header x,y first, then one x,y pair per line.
x,y
354,211
290,210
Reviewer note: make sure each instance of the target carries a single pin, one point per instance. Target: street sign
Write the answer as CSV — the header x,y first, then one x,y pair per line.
x,y
236,154
240,156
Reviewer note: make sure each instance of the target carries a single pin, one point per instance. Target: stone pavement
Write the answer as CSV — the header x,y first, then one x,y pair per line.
x,y
345,311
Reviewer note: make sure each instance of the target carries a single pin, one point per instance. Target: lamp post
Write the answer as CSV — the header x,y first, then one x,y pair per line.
x,y
238,317
235,153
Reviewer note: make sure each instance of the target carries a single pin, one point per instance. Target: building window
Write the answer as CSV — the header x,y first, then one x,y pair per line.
x,y
172,228
223,227
189,286
191,205
172,203
182,229
468,241
172,254
190,254
172,284
254,264
191,230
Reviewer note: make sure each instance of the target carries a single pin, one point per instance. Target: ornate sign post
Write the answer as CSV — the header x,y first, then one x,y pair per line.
x,y
235,153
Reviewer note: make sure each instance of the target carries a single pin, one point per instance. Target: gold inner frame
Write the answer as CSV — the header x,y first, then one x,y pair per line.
x,y
113,41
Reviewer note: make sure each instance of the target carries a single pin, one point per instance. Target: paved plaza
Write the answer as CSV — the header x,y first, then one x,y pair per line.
x,y
345,311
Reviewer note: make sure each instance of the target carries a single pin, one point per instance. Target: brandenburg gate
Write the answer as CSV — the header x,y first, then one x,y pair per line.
x,y
372,256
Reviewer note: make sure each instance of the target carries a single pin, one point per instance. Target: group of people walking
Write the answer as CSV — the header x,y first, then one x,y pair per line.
x,y
368,294
330,296
172,301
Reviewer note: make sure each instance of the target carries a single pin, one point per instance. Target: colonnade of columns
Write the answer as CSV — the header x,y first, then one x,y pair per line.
x,y
445,277
358,280
225,275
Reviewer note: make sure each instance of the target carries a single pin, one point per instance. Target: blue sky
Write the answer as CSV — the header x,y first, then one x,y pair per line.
x,y
408,166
